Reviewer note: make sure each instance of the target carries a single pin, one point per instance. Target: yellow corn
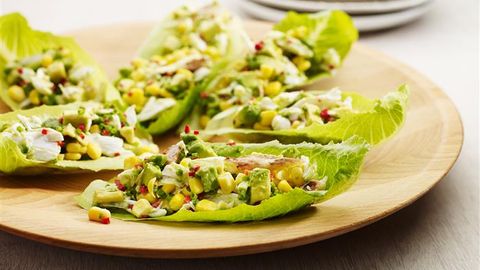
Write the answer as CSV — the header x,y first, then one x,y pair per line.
x,y
196,185
284,186
94,129
185,162
204,120
130,162
227,183
273,88
73,156
138,62
177,201
135,97
187,73
206,205
99,214
76,148
34,97
224,105
301,63
16,93
167,188
47,60
153,89
94,151
259,126
149,197
186,192
295,176
267,71
266,117
137,75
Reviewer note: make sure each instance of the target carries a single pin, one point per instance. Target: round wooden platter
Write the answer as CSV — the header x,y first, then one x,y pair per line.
x,y
395,174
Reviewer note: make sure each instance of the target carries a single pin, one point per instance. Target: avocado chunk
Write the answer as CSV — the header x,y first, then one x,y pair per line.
x,y
150,171
260,185
103,196
141,208
208,176
76,120
158,160
128,133
247,116
57,72
197,147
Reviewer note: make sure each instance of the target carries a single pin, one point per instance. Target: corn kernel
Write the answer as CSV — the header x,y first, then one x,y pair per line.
x,y
94,151
267,71
266,117
34,97
204,119
149,197
76,148
226,182
185,162
206,205
101,196
186,192
16,93
196,185
153,89
167,188
138,62
137,75
258,126
224,105
47,60
295,176
273,88
177,201
141,208
187,73
131,161
301,63
94,129
99,214
73,156
135,97
284,186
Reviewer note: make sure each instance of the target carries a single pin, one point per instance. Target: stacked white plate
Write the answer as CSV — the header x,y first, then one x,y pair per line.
x,y
368,15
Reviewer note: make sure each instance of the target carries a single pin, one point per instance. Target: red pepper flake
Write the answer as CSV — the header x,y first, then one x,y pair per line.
x,y
331,66
20,70
61,143
187,199
105,220
22,83
82,127
194,170
259,46
204,95
130,206
60,120
187,129
82,136
143,189
44,131
196,132
325,115
116,154
129,94
120,186
156,203
105,132
63,81
231,143
122,124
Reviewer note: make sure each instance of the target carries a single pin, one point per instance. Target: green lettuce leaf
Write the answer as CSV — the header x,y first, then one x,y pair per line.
x,y
15,162
326,30
374,120
18,40
341,163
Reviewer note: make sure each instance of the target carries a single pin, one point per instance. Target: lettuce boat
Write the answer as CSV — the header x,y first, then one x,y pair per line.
x,y
39,68
300,49
181,54
318,116
209,182
70,138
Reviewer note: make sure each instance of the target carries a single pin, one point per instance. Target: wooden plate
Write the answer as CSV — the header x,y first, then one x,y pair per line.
x,y
395,174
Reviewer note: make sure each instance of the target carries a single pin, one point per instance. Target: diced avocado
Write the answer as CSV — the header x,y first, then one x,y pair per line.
x,y
247,116
141,208
103,196
69,130
150,171
197,147
76,120
158,160
208,176
57,72
242,189
260,185
128,133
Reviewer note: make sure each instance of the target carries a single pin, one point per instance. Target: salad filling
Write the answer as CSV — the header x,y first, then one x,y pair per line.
x,y
87,133
52,77
192,176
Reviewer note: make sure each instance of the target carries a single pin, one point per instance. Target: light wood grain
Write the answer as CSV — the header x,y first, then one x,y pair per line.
x,y
395,174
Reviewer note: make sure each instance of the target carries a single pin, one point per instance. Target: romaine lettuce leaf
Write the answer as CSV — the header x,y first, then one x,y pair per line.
x,y
341,163
18,40
374,120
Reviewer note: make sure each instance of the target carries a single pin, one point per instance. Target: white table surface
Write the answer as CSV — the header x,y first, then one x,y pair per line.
x,y
440,231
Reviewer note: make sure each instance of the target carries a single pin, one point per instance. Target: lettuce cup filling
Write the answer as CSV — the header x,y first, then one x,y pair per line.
x,y
319,116
198,181
39,68
66,136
